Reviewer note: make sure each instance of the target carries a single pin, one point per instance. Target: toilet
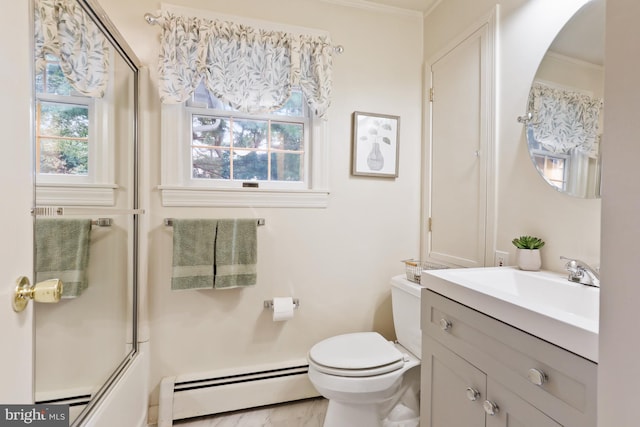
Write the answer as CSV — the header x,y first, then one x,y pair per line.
x,y
367,379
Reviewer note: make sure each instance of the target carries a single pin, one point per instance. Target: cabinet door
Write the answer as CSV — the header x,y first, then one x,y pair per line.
x,y
512,411
448,385
461,127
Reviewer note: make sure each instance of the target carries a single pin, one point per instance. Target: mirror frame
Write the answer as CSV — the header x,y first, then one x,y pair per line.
x,y
99,16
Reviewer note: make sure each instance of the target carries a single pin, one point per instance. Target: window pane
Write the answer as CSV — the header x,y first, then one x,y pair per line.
x,y
56,81
64,120
294,107
210,163
552,169
286,167
210,131
63,137
250,165
204,99
62,156
287,136
241,147
51,80
250,134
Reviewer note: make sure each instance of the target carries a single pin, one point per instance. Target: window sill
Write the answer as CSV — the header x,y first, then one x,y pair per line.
x,y
50,194
246,197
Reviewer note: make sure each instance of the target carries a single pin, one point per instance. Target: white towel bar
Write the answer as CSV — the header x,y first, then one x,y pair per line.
x,y
169,222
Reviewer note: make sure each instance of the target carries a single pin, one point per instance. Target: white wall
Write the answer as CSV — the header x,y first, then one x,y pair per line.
x,y
619,370
525,203
338,260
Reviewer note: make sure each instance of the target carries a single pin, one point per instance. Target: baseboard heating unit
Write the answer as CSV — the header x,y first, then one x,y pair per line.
x,y
189,396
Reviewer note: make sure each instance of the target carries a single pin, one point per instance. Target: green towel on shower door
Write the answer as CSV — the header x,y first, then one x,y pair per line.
x,y
62,252
193,253
236,253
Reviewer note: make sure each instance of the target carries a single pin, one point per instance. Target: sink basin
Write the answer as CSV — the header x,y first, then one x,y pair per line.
x,y
542,303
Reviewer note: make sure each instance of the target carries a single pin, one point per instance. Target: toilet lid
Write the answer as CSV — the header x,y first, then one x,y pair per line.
x,y
357,354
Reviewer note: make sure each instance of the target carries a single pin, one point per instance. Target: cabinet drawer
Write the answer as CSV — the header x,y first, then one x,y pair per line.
x,y
567,392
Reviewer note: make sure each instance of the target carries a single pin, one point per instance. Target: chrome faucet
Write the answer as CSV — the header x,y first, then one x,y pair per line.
x,y
581,272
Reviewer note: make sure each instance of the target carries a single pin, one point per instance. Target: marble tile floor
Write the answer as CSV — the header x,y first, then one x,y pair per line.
x,y
302,413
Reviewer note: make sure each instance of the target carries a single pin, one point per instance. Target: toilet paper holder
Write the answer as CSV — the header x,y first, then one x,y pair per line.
x,y
269,303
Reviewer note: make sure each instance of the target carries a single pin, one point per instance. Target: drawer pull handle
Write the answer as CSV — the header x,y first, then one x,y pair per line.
x,y
472,394
490,408
537,376
445,325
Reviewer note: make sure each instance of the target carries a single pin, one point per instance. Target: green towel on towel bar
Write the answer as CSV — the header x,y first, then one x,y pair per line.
x,y
62,252
193,253
236,253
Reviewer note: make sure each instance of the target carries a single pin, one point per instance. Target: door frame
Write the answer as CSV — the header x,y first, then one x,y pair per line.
x,y
490,59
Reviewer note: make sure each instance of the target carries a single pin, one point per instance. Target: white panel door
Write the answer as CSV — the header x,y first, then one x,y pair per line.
x,y
16,229
460,125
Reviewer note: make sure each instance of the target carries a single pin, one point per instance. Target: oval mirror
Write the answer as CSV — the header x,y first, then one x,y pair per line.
x,y
564,109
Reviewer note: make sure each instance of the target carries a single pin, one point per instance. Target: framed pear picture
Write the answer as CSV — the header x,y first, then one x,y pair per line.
x,y
375,144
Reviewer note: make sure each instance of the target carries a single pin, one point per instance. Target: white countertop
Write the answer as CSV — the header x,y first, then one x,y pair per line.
x,y
542,303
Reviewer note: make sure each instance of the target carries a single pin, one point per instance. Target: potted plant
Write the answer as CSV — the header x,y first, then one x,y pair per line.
x,y
528,255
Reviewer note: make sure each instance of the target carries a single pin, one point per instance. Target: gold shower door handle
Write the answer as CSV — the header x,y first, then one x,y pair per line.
x,y
46,291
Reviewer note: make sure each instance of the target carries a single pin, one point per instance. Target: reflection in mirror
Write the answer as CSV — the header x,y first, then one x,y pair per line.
x,y
565,106
85,228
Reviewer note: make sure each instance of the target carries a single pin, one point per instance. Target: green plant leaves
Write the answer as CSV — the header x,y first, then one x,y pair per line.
x,y
528,242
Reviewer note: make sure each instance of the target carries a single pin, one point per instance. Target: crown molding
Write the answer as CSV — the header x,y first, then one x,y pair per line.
x,y
369,5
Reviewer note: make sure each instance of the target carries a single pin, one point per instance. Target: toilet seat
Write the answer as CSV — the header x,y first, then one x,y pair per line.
x,y
361,354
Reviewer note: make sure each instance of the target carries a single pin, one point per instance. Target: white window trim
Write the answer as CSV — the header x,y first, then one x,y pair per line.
x,y
75,194
178,190
98,187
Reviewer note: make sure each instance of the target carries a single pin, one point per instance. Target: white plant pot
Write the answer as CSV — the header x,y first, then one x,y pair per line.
x,y
529,259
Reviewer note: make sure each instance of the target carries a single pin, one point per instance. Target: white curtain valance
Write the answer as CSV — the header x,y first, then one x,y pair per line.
x,y
563,119
64,30
251,69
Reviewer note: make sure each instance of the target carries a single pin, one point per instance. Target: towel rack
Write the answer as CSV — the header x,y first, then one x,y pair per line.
x,y
169,222
102,222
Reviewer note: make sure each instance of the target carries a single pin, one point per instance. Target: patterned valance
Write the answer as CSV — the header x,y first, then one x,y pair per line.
x,y
251,69
563,119
64,30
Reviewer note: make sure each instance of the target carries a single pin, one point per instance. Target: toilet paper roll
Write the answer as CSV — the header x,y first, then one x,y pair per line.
x,y
282,308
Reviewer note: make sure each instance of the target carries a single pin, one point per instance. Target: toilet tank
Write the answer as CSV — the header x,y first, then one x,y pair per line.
x,y
405,302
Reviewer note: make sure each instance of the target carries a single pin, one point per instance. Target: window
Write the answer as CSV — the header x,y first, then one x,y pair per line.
x,y
553,167
213,155
229,148
73,145
63,119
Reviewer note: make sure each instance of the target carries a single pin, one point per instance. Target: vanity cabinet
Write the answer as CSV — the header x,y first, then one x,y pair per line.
x,y
478,371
